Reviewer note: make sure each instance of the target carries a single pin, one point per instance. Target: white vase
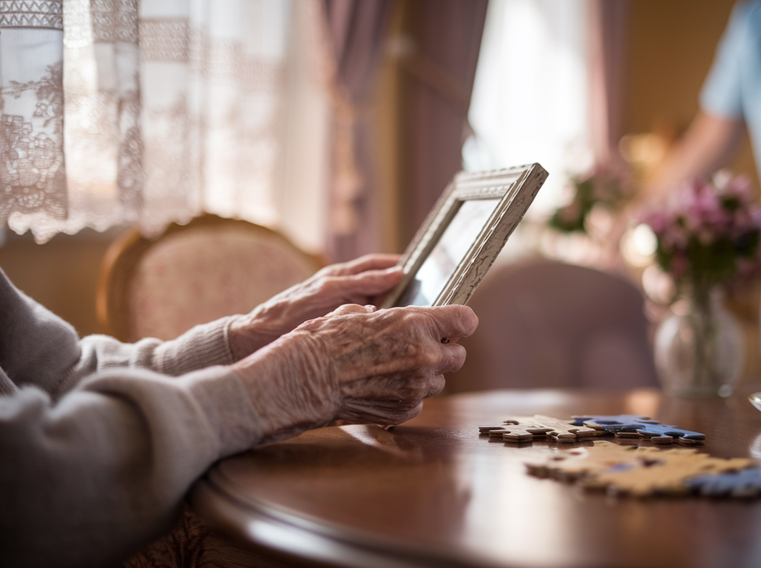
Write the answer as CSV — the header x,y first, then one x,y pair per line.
x,y
700,352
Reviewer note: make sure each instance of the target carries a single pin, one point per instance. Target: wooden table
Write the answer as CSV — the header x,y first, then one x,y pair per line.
x,y
433,493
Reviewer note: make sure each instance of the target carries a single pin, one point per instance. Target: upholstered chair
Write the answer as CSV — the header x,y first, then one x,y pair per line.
x,y
548,324
194,273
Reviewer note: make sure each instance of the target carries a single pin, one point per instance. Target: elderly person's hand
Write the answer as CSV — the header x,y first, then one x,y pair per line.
x,y
357,282
355,365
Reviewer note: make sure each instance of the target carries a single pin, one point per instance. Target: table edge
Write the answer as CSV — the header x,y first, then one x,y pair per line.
x,y
318,542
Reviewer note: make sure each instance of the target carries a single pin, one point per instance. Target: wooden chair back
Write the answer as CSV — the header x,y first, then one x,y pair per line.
x,y
210,268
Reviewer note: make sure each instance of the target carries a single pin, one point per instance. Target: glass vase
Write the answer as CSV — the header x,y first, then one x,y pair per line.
x,y
699,350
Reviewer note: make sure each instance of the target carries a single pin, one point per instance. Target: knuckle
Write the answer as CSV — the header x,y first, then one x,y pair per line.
x,y
429,358
327,284
412,350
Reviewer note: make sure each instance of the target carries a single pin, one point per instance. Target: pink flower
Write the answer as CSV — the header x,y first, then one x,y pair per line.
x,y
658,221
678,265
708,230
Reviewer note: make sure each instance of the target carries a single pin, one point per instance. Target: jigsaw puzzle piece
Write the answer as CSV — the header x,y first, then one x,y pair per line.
x,y
599,422
741,484
630,470
487,428
633,426
495,430
526,428
658,471
569,465
659,433
562,431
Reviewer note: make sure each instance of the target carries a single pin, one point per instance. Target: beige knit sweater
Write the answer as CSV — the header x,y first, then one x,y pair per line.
x,y
99,440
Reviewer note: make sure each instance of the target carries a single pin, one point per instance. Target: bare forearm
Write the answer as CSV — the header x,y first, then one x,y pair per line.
x,y
709,144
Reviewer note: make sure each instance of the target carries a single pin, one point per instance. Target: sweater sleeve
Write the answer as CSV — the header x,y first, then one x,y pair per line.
x,y
87,480
97,447
39,348
203,346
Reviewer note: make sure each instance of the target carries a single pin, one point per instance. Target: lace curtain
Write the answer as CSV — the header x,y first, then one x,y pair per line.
x,y
119,111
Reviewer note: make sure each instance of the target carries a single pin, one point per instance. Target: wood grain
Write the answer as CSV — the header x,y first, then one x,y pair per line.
x,y
432,492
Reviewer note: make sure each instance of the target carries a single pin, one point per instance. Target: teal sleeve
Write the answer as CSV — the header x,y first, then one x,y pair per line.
x,y
721,94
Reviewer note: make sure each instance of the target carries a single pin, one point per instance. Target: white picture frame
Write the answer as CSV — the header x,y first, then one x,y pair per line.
x,y
463,234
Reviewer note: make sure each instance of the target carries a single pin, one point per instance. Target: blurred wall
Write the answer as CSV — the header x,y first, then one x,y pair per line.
x,y
670,50
62,274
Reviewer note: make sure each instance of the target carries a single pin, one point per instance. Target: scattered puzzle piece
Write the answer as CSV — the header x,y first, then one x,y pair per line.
x,y
656,433
666,474
631,426
639,471
742,484
526,428
569,465
621,419
562,431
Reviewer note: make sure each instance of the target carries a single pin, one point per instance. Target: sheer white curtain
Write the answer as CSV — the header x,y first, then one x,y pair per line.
x,y
119,111
531,92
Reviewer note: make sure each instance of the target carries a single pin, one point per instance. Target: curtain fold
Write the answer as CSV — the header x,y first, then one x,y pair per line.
x,y
607,43
440,73
356,33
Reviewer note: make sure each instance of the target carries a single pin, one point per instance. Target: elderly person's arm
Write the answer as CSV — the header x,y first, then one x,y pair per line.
x,y
229,339
92,476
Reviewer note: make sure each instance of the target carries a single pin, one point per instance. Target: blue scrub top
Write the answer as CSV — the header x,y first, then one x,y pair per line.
x,y
733,86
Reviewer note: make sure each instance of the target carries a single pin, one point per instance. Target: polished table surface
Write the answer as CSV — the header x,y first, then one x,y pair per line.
x,y
432,492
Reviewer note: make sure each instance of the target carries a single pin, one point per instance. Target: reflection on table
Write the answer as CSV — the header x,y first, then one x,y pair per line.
x,y
432,492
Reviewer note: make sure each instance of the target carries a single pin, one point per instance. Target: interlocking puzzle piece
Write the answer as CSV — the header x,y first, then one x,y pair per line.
x,y
667,472
742,484
569,465
602,421
632,426
524,431
526,428
639,471
656,433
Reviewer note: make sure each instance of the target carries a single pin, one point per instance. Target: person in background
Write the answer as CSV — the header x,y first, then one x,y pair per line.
x,y
730,102
100,440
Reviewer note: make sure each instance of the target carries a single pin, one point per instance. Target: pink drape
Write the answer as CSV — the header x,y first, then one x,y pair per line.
x,y
356,33
607,27
441,71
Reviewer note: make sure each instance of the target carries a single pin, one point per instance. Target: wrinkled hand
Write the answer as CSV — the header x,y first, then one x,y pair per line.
x,y
356,365
357,282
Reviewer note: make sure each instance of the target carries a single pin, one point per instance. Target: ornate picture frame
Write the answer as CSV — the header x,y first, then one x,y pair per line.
x,y
463,234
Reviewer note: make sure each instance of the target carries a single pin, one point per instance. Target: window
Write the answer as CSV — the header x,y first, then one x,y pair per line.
x,y
530,97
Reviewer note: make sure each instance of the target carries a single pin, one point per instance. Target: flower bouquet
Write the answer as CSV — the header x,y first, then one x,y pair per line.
x,y
707,238
602,188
